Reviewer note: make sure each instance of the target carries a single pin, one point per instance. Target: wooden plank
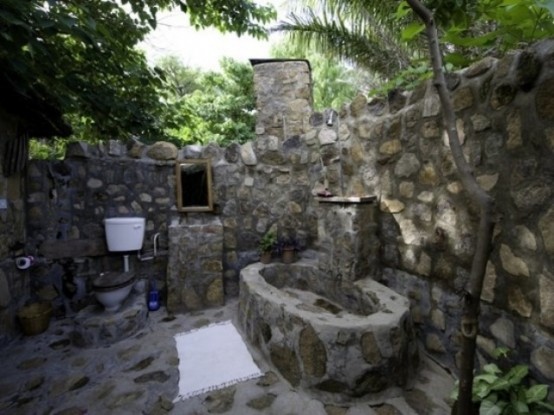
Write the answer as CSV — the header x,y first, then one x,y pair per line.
x,y
57,249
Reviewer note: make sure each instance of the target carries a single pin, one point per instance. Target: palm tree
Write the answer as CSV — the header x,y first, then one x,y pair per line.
x,y
363,33
367,33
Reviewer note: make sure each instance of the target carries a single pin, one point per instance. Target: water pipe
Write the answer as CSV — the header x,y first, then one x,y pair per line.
x,y
142,257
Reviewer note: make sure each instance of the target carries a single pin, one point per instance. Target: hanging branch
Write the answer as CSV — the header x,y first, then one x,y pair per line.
x,y
469,325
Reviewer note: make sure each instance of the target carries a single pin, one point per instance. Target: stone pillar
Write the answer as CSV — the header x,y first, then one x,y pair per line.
x,y
194,268
283,97
347,237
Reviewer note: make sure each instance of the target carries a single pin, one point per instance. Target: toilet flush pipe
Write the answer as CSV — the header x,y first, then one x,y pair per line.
x,y
125,263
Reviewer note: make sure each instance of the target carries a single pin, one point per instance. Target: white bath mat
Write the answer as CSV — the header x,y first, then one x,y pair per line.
x,y
211,358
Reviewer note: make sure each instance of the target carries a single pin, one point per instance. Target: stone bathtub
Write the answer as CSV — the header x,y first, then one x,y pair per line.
x,y
337,341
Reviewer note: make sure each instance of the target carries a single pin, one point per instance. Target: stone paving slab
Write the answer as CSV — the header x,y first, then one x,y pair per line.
x,y
47,374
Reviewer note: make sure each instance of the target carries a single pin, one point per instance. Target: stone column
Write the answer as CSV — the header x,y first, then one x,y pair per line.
x,y
347,237
194,268
283,97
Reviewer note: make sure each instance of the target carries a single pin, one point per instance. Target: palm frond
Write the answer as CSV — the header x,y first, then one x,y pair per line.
x,y
367,45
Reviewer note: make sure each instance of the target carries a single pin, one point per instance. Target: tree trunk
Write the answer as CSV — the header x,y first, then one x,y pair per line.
x,y
469,326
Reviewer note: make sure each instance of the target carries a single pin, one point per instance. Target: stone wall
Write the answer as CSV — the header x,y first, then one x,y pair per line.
x,y
428,224
394,149
397,150
14,284
67,201
348,242
267,183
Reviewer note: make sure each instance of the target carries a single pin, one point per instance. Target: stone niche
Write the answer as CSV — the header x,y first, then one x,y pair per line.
x,y
347,236
195,269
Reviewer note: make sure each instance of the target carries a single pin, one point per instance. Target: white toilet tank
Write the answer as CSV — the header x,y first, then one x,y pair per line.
x,y
124,234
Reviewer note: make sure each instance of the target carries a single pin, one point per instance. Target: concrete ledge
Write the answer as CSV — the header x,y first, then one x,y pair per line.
x,y
347,199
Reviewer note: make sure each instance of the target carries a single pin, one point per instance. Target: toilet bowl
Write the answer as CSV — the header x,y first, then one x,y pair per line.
x,y
111,288
122,235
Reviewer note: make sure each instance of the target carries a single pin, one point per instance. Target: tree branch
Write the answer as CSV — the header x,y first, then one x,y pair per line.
x,y
469,325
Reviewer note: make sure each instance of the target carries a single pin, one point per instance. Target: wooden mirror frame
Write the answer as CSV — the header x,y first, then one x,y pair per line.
x,y
202,184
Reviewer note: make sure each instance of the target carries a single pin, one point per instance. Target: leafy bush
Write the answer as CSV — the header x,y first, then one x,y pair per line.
x,y
211,106
47,149
509,393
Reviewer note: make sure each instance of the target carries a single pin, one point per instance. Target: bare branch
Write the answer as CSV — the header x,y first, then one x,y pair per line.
x,y
469,325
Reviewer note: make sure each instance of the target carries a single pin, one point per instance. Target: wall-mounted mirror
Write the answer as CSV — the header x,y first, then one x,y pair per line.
x,y
194,185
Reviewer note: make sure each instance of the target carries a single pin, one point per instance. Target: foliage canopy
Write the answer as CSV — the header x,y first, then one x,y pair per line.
x,y
385,38
81,57
211,106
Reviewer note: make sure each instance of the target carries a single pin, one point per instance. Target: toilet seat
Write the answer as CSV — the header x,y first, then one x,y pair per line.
x,y
110,281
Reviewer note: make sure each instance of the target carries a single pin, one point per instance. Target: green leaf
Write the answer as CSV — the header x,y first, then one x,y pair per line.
x,y
501,351
546,405
520,407
456,391
536,393
412,30
517,374
472,41
9,18
489,408
501,385
402,11
486,377
459,60
481,390
492,368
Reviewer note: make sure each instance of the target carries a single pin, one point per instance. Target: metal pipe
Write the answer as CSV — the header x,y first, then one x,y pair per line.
x,y
150,257
156,237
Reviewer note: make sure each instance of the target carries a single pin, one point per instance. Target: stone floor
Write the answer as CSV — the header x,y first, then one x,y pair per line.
x,y
46,374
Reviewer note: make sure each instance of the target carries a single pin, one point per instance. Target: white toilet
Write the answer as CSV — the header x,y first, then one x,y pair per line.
x,y
122,235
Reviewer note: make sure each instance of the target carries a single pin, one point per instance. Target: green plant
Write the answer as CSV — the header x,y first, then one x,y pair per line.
x,y
47,149
212,106
268,241
508,393
407,79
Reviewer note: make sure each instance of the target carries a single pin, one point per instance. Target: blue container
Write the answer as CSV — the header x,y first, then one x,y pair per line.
x,y
153,298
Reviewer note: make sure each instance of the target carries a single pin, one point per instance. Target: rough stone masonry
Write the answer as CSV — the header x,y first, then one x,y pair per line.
x,y
393,149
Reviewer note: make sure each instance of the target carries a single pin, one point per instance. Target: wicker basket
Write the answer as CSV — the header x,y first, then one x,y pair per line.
x,y
35,318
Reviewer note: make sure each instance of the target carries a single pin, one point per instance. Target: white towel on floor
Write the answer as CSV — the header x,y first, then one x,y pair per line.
x,y
211,358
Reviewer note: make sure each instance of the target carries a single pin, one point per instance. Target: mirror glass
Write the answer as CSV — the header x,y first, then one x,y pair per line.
x,y
194,185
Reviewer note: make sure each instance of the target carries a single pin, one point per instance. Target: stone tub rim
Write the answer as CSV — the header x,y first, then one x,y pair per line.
x,y
395,303
333,357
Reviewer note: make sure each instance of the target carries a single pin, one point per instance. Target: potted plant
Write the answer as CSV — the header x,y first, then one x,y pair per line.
x,y
267,243
288,247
